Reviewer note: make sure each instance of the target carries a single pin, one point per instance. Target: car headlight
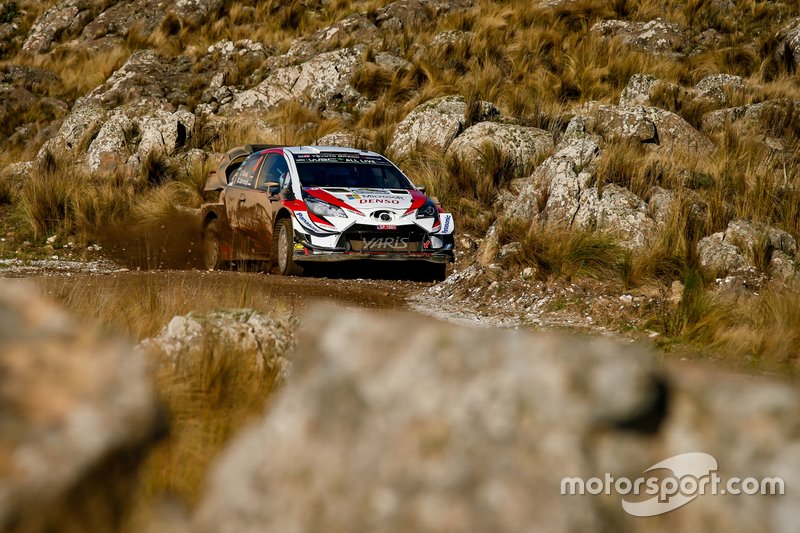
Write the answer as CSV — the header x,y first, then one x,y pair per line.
x,y
428,210
324,209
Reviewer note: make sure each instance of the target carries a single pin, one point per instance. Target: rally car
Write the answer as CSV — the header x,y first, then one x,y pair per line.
x,y
293,206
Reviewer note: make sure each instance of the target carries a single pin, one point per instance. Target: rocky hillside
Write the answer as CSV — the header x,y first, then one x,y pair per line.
x,y
650,146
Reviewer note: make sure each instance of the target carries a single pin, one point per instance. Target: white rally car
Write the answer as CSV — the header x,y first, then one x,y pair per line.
x,y
298,205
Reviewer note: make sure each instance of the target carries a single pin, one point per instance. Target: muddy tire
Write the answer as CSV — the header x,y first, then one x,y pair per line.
x,y
284,249
211,246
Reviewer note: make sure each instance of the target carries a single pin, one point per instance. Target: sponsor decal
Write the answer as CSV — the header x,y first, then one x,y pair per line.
x,y
385,243
298,247
446,225
386,226
384,200
353,197
301,216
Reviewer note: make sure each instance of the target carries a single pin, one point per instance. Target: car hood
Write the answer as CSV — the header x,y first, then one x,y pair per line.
x,y
367,200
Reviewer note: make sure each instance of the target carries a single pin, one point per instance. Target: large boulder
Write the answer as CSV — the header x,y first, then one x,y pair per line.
x,y
323,82
354,29
436,123
563,188
638,91
79,413
718,88
65,17
649,125
108,150
458,428
737,247
789,42
520,144
616,209
561,176
415,14
654,37
187,339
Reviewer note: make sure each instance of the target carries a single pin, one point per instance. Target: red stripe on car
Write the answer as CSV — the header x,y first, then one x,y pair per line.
x,y
419,199
331,199
319,220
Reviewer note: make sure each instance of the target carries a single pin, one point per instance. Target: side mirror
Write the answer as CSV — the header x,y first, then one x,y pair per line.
x,y
422,190
272,184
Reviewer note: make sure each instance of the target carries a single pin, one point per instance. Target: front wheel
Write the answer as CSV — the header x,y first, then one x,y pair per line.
x,y
211,252
284,249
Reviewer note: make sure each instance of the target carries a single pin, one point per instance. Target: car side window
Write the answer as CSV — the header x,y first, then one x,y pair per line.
x,y
245,175
274,169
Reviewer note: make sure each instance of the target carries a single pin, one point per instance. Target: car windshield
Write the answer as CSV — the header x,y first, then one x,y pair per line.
x,y
369,174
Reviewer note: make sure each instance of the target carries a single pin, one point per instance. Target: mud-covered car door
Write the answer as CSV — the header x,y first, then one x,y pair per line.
x,y
242,205
274,170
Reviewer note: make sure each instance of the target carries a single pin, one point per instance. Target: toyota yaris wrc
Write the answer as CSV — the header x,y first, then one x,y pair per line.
x,y
294,206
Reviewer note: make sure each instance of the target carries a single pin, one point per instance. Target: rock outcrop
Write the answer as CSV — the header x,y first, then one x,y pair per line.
x,y
654,37
79,412
647,125
741,243
520,144
322,82
224,333
458,428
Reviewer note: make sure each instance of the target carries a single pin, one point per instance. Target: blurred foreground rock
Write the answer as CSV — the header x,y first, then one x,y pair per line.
x,y
456,429
77,414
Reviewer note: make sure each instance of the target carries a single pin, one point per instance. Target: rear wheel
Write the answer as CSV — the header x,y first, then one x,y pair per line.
x,y
211,251
284,249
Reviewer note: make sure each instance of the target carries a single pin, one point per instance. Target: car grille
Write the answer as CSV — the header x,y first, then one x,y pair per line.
x,y
364,238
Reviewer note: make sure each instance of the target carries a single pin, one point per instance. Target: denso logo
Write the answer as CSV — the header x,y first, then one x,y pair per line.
x,y
378,201
385,242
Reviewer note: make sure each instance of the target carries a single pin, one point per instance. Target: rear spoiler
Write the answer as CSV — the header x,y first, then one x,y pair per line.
x,y
218,179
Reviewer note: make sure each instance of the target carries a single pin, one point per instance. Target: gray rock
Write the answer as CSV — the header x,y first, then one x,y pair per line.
x,y
79,414
86,115
718,256
616,210
661,205
654,37
343,139
638,91
561,177
649,125
354,29
165,132
748,236
323,81
782,268
452,38
188,338
457,428
60,18
718,88
195,12
110,148
615,123
789,42
416,14
435,123
521,144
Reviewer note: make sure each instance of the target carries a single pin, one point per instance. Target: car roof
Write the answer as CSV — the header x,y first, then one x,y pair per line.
x,y
307,150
